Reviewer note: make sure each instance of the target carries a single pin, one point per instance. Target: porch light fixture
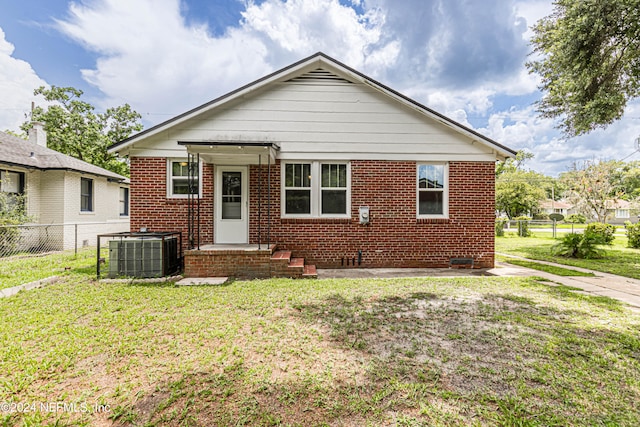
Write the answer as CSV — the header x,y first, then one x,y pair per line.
x,y
183,163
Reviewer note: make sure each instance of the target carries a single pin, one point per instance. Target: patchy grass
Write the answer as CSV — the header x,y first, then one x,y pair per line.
x,y
22,269
558,271
619,259
407,352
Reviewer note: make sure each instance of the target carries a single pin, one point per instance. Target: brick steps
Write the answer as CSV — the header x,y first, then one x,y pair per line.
x,y
310,272
284,265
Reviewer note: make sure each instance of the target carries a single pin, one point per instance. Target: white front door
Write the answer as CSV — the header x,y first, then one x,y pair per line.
x,y
231,204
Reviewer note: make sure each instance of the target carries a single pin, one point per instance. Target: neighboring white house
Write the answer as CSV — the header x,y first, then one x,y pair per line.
x,y
619,211
63,190
556,206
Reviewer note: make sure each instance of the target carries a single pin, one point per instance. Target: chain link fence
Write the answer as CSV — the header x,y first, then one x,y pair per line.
x,y
44,238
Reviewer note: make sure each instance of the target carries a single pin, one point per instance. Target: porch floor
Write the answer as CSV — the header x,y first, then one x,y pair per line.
x,y
244,261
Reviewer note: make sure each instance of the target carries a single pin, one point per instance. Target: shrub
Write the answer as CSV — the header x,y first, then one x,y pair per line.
x,y
633,234
574,245
603,233
12,213
523,226
541,216
500,223
576,219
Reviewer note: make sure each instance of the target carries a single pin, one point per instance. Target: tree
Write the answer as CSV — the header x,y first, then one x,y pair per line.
x,y
630,180
589,62
592,186
73,128
511,164
519,192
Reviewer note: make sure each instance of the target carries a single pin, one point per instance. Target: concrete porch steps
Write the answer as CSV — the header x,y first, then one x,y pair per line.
x,y
284,265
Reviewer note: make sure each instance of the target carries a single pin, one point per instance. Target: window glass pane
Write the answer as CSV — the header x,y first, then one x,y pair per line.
x,y
298,201
297,175
334,176
181,186
288,175
430,203
86,194
431,176
231,195
10,182
334,201
181,168
124,201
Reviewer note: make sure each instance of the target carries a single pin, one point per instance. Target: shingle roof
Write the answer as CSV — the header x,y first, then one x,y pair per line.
x,y
16,151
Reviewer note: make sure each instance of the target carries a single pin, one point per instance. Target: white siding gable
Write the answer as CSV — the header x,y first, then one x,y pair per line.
x,y
320,115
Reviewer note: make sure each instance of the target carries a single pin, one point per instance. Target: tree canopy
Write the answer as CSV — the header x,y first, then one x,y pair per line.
x,y
519,192
74,128
593,186
589,62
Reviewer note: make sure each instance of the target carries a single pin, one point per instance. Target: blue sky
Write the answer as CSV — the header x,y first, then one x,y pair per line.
x,y
460,57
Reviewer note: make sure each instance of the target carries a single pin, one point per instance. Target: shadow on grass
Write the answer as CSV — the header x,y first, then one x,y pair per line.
x,y
427,359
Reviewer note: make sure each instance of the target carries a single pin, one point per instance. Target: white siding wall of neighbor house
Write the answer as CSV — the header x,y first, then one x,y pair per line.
x,y
323,120
105,217
52,197
32,190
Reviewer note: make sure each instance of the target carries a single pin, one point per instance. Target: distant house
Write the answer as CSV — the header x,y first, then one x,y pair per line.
x,y
619,211
61,189
316,161
556,206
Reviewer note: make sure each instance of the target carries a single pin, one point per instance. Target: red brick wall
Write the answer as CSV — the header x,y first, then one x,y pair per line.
x,y
151,208
394,237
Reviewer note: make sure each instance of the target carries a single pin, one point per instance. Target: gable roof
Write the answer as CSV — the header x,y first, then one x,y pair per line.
x,y
556,204
299,70
16,151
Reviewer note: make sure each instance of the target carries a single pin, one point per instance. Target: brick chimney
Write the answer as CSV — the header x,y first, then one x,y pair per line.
x,y
37,135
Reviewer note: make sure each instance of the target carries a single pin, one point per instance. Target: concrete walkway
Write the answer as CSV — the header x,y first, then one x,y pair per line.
x,y
624,289
7,292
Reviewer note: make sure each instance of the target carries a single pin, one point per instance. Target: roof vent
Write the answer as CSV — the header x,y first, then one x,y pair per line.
x,y
319,75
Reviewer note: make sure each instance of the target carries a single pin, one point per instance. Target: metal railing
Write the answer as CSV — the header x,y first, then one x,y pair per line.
x,y
43,238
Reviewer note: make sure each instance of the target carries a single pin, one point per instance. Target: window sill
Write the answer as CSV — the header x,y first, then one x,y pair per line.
x,y
315,220
87,213
442,220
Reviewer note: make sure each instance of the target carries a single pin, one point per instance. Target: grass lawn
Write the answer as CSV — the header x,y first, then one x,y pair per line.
x,y
407,352
619,259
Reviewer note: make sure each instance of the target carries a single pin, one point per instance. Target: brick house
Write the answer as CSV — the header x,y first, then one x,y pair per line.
x,y
315,164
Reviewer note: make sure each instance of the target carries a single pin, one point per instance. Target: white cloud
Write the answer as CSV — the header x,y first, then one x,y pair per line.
x,y
462,61
17,81
152,59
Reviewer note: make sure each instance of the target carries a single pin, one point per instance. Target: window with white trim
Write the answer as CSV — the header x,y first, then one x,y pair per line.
x,y
86,195
622,213
12,182
432,190
333,189
178,178
124,201
316,189
297,188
